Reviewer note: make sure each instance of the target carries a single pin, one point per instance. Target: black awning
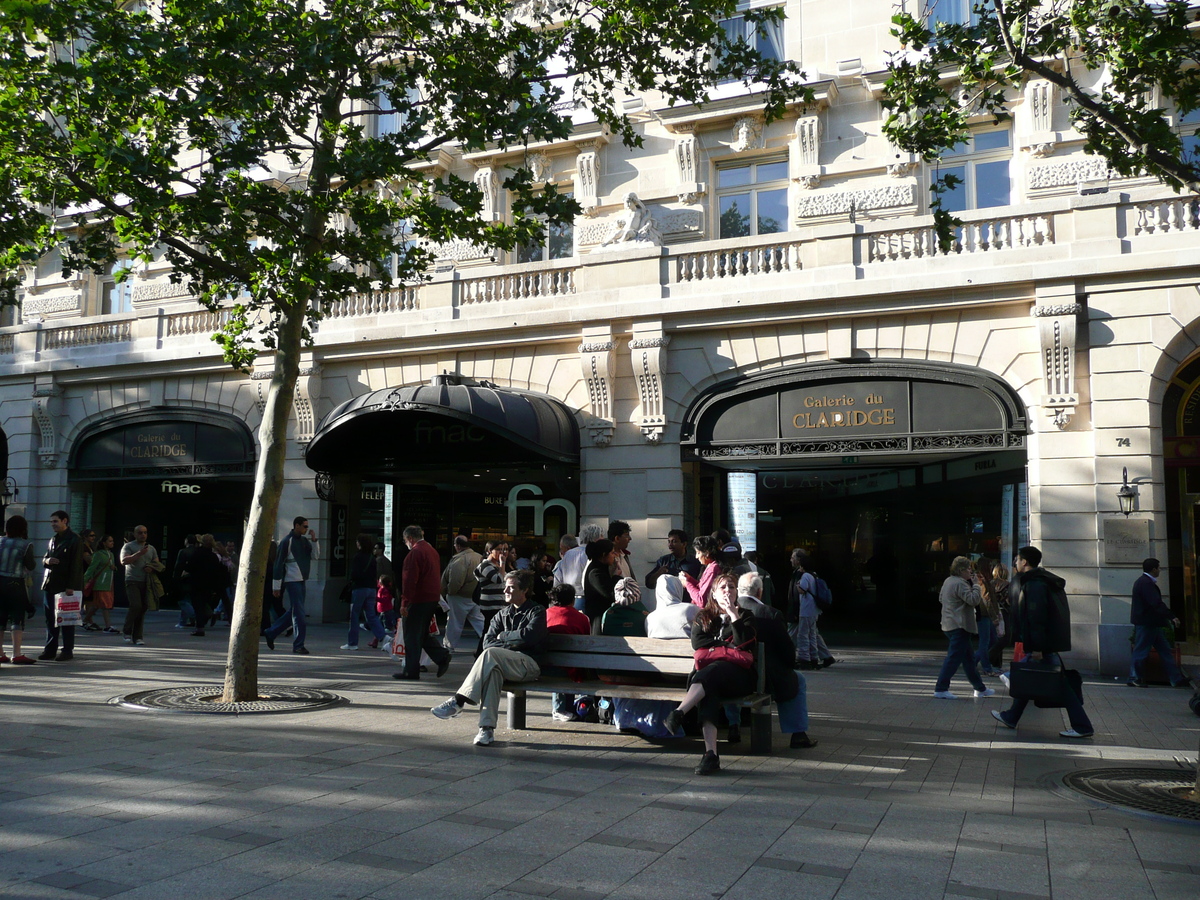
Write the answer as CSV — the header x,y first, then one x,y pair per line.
x,y
442,424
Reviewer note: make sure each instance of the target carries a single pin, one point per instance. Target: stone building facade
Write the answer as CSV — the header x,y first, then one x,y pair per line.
x,y
785,352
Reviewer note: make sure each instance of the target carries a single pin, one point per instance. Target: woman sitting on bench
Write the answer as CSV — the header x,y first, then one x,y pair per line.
x,y
720,623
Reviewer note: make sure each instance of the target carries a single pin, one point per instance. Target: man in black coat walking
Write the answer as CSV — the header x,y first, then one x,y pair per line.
x,y
1150,618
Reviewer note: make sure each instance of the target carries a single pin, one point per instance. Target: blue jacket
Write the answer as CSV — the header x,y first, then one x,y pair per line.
x,y
301,551
1148,608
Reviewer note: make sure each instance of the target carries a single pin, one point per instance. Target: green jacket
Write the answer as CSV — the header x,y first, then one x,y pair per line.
x,y
101,570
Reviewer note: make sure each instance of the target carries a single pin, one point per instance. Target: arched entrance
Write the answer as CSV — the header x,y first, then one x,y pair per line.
x,y
884,470
454,456
172,469
1181,461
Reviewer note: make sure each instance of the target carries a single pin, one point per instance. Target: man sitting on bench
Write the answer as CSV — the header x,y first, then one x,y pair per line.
x,y
516,632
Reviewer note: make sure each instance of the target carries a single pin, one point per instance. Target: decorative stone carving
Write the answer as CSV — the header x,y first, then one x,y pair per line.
x,y
596,359
747,134
45,412
489,188
459,251
587,177
647,355
632,227
808,182
1056,331
687,165
808,140
540,167
50,303
1069,173
1040,95
842,202
308,388
1041,150
668,221
159,291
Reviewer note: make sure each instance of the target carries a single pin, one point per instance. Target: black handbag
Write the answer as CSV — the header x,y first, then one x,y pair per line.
x,y
1044,682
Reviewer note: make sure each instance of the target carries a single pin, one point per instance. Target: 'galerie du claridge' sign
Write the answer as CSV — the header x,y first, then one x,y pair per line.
x,y
874,407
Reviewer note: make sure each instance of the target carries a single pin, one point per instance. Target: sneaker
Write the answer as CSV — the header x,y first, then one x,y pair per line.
x,y
986,692
447,710
128,638
90,626
1072,733
22,660
349,646
674,721
710,764
181,625
1135,682
945,695
1004,679
111,630
485,737
999,717
139,643
557,716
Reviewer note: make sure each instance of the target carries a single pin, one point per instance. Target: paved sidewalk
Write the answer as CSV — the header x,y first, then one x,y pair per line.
x,y
905,797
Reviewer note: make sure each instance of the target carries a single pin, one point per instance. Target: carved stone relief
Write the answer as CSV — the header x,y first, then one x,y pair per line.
x,y
485,180
747,134
1056,331
1040,95
159,291
45,412
647,354
596,360
842,202
668,221
50,303
1069,173
540,167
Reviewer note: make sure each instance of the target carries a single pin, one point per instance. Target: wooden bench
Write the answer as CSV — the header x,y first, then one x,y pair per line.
x,y
671,659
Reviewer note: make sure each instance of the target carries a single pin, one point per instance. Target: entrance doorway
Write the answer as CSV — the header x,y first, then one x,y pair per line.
x,y
1181,458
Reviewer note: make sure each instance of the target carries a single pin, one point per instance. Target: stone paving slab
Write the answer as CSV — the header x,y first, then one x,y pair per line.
x,y
905,796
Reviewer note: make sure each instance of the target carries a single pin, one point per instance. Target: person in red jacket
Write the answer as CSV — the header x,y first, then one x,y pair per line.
x,y
420,592
563,618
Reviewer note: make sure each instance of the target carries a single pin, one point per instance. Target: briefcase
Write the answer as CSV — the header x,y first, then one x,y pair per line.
x,y
1045,683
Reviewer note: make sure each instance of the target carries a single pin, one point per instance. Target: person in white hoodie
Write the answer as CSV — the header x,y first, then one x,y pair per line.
x,y
671,617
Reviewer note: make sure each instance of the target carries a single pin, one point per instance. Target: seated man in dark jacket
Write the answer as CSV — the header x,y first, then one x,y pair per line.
x,y
515,633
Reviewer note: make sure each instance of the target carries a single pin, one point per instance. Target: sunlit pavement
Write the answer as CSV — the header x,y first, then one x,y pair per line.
x,y
904,797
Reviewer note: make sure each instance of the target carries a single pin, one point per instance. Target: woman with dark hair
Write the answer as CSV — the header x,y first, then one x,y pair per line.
x,y
16,562
99,575
364,580
599,582
720,623
699,584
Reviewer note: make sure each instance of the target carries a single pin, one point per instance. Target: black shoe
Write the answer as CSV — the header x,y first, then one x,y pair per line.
x,y
827,662
199,632
801,741
46,655
443,667
709,765
212,621
807,665
735,734
1183,684
64,656
303,651
1135,682
404,676
270,642
673,721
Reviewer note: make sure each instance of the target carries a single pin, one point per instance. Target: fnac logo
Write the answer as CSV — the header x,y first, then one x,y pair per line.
x,y
174,487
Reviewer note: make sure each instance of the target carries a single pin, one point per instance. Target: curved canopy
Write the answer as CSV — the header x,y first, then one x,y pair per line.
x,y
445,423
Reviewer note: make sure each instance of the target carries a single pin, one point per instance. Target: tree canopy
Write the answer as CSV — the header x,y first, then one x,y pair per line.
x,y
1128,71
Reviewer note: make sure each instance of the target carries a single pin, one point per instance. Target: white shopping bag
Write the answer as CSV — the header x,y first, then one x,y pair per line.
x,y
68,609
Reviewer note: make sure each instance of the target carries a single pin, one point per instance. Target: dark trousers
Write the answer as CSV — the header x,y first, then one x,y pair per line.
x,y
138,593
418,638
1078,718
52,630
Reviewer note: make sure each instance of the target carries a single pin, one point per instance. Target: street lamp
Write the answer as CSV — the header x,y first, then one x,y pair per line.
x,y
9,492
1126,494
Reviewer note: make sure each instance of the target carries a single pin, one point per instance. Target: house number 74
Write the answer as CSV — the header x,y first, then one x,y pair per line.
x,y
1122,442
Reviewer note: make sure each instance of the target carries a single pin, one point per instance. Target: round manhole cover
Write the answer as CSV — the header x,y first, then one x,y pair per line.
x,y
1161,791
206,698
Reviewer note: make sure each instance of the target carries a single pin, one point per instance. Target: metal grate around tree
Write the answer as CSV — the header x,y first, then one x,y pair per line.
x,y
206,699
1162,791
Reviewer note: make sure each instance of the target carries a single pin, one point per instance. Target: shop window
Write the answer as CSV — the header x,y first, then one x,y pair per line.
x,y
557,242
981,167
765,37
752,198
116,289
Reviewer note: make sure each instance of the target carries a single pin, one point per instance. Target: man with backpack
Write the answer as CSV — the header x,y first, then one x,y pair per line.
x,y
808,597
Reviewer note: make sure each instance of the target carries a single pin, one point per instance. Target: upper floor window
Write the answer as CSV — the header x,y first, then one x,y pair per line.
x,y
390,120
752,198
116,289
10,315
950,12
981,167
765,37
558,242
1187,124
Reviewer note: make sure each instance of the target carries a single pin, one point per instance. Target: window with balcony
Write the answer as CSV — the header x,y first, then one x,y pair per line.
x,y
981,169
557,242
116,289
752,198
765,37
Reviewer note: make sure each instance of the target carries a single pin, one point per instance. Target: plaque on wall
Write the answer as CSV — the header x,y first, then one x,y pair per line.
x,y
1126,541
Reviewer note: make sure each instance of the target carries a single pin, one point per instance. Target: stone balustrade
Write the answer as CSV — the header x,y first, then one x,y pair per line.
x,y
977,235
1168,216
71,336
520,285
738,258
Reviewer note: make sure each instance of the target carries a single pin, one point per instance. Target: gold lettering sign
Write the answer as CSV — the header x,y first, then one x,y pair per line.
x,y
849,418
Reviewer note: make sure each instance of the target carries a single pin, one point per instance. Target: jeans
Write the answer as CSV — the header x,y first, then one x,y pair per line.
x,y
959,654
562,703
363,600
793,714
186,610
810,646
1146,637
986,636
52,630
418,638
1079,719
294,616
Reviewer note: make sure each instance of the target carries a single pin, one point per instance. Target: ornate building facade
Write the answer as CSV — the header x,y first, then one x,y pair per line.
x,y
751,326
